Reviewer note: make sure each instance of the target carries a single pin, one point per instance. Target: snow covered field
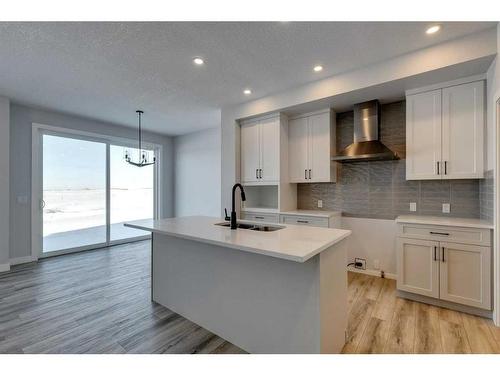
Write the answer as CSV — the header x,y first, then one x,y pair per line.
x,y
70,210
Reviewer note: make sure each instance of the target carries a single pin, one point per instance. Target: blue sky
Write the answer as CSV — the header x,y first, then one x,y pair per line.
x,y
77,164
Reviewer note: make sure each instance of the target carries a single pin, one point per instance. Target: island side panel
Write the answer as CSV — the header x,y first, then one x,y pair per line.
x,y
259,303
333,297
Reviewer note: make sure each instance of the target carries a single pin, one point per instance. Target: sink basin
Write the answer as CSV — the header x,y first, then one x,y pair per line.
x,y
256,227
238,225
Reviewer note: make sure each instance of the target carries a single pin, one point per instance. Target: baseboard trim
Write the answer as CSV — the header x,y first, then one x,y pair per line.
x,y
370,272
4,267
21,260
448,305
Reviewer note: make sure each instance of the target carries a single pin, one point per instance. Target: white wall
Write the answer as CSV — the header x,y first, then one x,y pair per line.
x,y
372,239
198,173
21,119
4,183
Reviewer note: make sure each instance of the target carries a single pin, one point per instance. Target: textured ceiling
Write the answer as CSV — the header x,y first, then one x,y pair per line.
x,y
108,70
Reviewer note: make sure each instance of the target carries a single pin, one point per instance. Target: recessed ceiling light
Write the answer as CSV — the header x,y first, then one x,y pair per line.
x,y
247,91
198,61
318,68
433,29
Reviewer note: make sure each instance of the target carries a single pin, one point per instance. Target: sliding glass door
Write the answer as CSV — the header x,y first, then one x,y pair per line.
x,y
87,191
132,194
74,193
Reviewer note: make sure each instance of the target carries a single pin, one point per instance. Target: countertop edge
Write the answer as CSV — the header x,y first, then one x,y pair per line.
x,y
245,248
441,222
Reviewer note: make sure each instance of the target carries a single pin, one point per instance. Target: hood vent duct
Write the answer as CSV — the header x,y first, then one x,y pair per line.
x,y
366,145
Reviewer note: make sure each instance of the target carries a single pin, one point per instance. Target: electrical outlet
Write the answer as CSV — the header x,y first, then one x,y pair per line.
x,y
320,203
376,264
362,261
413,206
446,208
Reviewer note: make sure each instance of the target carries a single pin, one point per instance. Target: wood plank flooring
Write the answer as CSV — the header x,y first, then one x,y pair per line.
x,y
94,302
380,322
99,302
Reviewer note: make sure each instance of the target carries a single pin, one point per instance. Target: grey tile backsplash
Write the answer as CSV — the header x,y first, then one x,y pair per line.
x,y
378,189
486,196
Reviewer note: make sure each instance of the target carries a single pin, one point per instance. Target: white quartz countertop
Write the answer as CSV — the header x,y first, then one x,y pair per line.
x,y
448,221
294,242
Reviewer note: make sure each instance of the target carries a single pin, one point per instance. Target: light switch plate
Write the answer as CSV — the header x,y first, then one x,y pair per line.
x,y
413,206
320,203
446,208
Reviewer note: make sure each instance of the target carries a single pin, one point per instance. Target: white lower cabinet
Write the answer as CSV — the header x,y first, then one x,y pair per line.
x,y
454,272
418,267
464,274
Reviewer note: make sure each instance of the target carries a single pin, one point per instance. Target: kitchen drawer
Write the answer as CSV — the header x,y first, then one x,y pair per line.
x,y
257,216
473,236
305,220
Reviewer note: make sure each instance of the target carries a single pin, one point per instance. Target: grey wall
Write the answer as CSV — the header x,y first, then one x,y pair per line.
x,y
4,183
198,173
379,189
21,120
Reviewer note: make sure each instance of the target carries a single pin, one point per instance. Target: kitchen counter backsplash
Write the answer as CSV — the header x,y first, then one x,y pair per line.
x,y
378,189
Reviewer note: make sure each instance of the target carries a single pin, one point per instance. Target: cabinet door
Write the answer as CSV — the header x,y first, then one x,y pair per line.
x,y
423,136
270,150
465,274
298,135
418,266
250,152
319,148
463,127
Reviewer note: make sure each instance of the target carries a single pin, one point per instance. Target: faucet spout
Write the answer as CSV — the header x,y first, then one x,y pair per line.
x,y
233,207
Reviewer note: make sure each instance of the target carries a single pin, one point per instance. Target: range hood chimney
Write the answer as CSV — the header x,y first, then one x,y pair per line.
x,y
366,145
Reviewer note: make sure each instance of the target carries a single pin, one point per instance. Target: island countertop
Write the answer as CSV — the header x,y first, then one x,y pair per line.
x,y
294,242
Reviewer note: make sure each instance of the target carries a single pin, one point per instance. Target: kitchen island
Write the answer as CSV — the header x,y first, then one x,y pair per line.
x,y
281,291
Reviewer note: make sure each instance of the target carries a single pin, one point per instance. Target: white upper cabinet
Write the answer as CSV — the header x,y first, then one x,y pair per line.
x,y
311,143
250,152
445,133
423,135
270,150
298,148
260,151
463,126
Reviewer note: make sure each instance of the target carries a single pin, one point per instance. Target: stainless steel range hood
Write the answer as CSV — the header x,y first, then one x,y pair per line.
x,y
366,144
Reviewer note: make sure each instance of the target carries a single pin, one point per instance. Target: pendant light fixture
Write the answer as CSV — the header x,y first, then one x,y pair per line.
x,y
145,157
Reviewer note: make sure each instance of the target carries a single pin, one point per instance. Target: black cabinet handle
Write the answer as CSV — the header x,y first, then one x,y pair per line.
x,y
435,250
442,254
440,233
305,174
438,167
303,221
309,174
256,173
445,169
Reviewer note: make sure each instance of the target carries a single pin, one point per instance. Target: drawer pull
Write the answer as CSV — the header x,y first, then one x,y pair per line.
x,y
435,250
303,221
440,233
259,217
442,254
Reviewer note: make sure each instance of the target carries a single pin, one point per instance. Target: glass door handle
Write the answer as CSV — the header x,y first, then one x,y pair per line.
x,y
42,204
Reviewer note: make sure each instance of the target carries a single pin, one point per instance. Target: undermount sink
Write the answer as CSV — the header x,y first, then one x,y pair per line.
x,y
256,227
